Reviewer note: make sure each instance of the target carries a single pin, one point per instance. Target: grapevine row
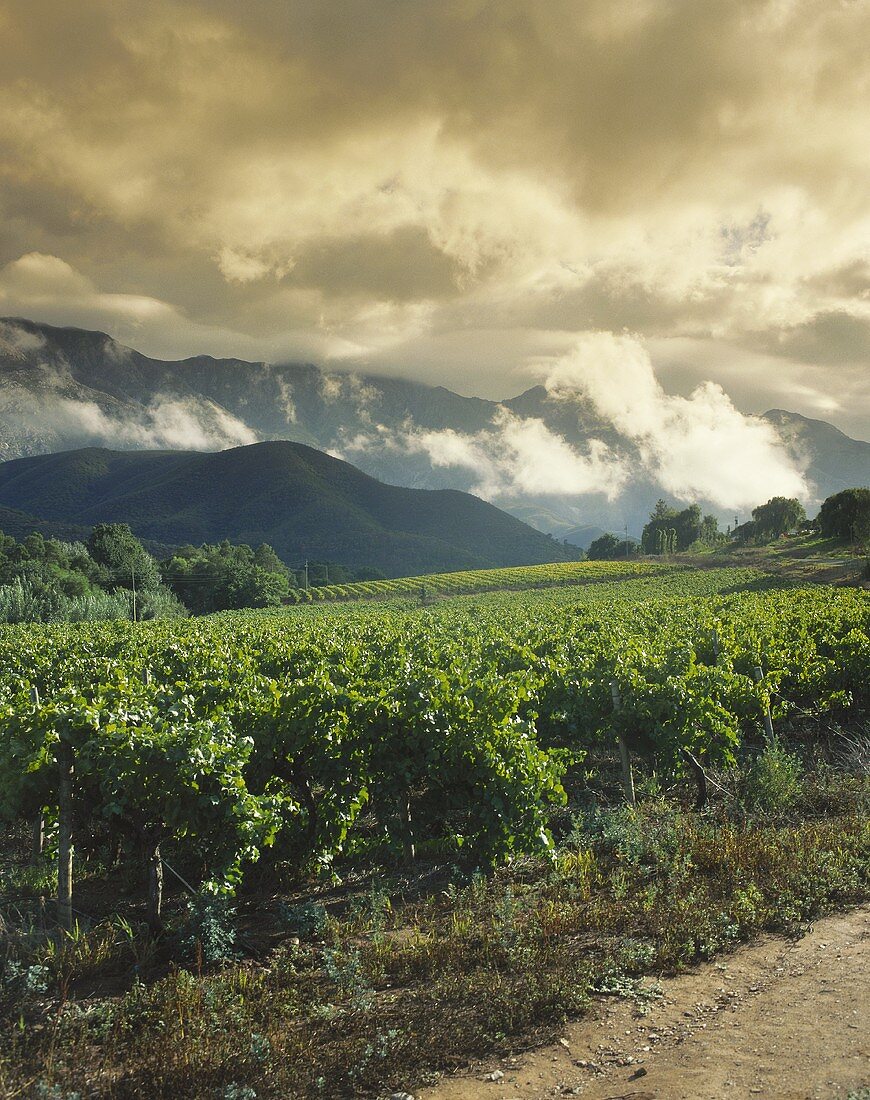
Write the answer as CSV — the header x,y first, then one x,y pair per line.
x,y
448,726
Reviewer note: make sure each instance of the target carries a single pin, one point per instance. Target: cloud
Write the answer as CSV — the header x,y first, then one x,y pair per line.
x,y
830,337
524,457
696,447
46,288
514,457
377,181
17,342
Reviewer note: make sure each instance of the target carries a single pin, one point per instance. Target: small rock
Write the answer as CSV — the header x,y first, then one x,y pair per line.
x,y
638,1073
564,1043
496,1075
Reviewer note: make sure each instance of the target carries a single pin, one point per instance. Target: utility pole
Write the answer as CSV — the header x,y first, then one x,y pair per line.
x,y
306,574
326,567
133,578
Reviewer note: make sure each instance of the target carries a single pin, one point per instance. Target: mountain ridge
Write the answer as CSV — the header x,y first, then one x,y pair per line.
x,y
65,388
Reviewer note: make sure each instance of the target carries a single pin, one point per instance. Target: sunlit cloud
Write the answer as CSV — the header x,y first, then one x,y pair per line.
x,y
447,190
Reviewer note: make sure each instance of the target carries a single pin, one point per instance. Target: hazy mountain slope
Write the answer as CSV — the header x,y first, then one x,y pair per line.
x,y
302,501
831,458
67,388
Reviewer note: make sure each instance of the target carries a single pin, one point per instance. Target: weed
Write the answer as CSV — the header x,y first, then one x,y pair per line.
x,y
773,781
208,933
308,919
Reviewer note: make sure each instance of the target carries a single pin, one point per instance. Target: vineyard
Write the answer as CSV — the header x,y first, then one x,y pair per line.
x,y
479,580
298,743
453,726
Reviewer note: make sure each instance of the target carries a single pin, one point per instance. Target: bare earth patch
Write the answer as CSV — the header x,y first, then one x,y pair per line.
x,y
778,1018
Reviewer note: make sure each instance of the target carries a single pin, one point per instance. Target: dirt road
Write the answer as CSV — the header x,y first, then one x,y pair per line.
x,y
778,1019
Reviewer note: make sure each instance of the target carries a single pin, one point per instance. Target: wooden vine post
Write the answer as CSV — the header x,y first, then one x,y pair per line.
x,y
408,849
38,836
155,889
624,757
758,675
64,756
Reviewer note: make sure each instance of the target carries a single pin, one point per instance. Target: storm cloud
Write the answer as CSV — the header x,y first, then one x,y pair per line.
x,y
450,189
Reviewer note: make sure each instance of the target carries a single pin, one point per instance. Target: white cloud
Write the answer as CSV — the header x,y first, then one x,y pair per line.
x,y
696,447
18,343
167,422
514,457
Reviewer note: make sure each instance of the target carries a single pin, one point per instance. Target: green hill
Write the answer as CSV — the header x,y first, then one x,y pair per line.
x,y
303,502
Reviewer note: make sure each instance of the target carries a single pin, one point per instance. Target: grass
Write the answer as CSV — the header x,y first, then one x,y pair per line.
x,y
371,986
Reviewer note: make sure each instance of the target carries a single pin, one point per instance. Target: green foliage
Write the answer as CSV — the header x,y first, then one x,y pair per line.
x,y
306,919
49,581
609,548
125,561
602,549
208,933
777,517
227,577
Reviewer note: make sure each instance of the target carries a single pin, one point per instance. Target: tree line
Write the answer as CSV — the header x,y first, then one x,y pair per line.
x,y
113,576
844,515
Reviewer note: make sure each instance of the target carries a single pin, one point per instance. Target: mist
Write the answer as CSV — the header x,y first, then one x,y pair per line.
x,y
166,422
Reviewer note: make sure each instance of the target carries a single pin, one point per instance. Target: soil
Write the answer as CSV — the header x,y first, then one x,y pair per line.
x,y
777,1019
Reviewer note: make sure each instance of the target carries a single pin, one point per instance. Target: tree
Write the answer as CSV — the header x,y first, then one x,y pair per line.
x,y
609,548
227,577
669,531
777,517
602,548
846,515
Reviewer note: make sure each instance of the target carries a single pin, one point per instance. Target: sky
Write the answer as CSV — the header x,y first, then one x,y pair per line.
x,y
459,191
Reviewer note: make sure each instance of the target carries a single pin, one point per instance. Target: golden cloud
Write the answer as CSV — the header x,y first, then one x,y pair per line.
x,y
370,179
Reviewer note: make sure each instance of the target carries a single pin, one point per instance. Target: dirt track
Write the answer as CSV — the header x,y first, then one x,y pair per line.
x,y
777,1018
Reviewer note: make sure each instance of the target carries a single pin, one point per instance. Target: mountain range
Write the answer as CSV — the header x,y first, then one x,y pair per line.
x,y
65,388
301,501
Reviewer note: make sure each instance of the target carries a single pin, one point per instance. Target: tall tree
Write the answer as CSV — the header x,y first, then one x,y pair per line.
x,y
126,562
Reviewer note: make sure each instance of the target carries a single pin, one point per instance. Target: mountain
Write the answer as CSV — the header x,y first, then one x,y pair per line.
x,y
65,388
303,502
20,524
